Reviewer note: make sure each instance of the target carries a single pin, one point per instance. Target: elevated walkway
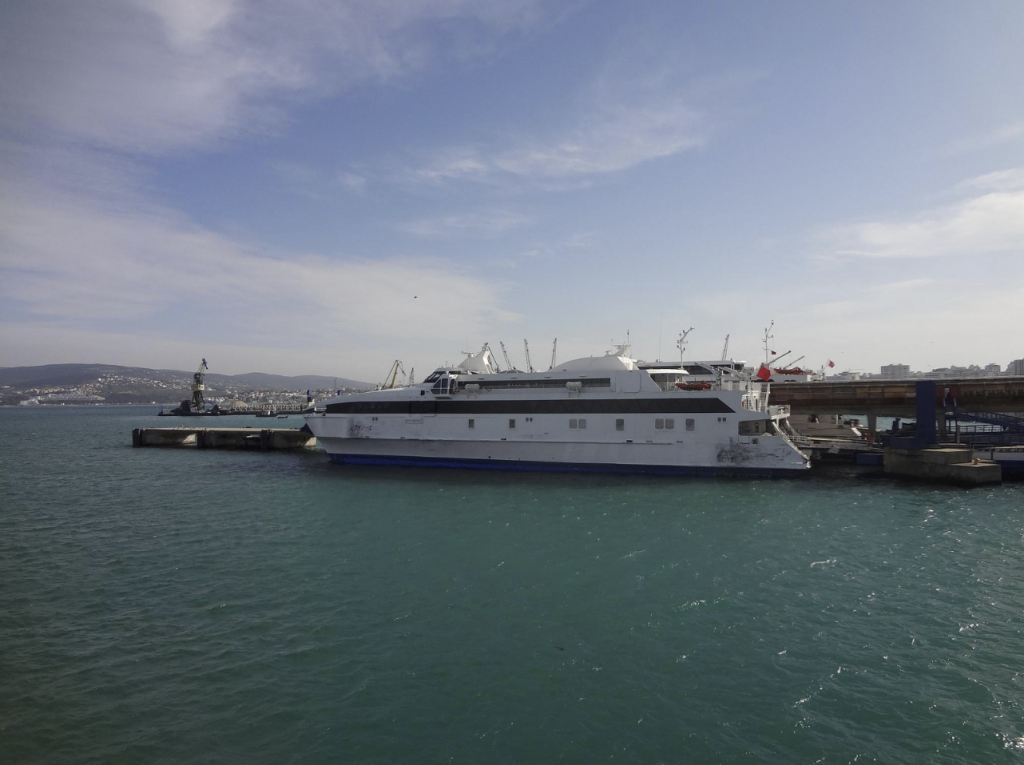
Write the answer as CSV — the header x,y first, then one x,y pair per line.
x,y
898,398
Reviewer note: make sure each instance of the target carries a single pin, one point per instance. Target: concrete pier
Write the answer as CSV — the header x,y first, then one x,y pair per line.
x,y
263,440
950,464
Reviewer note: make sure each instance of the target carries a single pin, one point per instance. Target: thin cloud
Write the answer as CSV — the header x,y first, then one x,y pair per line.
x,y
486,224
608,139
578,241
1000,180
66,258
981,225
1003,134
353,182
153,78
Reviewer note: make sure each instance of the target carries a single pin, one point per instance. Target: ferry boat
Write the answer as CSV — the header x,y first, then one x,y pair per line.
x,y
598,414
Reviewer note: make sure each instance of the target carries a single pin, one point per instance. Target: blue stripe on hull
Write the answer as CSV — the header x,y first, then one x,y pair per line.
x,y
565,467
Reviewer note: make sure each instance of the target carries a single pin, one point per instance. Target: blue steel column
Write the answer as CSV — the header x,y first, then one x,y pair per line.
x,y
925,399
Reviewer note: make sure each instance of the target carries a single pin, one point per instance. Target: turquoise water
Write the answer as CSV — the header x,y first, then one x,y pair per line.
x,y
171,605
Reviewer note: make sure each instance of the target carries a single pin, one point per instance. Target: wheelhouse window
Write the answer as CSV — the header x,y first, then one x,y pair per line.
x,y
670,423
471,423
689,423
573,423
659,424
512,424
620,424
583,424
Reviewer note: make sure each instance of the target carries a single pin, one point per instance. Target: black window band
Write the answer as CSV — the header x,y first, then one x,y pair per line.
x,y
561,406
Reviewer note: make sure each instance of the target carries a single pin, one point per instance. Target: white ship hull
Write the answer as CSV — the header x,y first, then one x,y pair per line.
x,y
768,458
625,424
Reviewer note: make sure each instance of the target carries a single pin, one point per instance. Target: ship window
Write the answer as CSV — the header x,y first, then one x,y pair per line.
x,y
573,424
583,424
670,424
659,424
620,424
689,423
512,424
471,423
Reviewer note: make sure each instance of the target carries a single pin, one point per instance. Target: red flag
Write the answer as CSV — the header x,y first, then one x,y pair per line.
x,y
773,353
764,373
831,363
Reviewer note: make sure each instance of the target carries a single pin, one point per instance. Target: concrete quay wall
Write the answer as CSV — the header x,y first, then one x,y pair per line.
x,y
265,440
948,464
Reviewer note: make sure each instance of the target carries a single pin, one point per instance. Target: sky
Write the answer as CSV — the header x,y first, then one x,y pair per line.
x,y
322,187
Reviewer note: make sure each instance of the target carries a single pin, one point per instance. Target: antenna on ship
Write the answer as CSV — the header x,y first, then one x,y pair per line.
x,y
504,352
681,343
554,348
529,366
767,336
725,349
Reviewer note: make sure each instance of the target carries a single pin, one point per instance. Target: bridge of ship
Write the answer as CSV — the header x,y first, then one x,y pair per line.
x,y
897,398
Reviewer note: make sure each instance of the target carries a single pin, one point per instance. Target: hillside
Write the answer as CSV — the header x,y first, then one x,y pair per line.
x,y
118,384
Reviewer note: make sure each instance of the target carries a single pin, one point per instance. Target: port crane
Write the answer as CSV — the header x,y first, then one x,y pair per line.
x,y
529,366
510,366
725,349
197,404
554,349
393,375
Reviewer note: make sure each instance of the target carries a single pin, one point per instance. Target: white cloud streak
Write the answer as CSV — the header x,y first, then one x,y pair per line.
x,y
985,224
607,139
485,224
156,77
1002,134
68,258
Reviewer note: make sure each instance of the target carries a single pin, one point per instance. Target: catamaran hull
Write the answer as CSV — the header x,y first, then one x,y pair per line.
x,y
770,457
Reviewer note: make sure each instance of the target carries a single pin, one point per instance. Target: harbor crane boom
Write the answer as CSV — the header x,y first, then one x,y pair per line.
x,y
393,374
725,349
509,364
529,366
554,349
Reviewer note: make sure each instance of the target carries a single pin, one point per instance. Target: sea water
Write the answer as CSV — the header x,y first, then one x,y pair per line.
x,y
175,605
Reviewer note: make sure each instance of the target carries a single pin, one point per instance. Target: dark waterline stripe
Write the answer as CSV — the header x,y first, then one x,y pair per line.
x,y
566,467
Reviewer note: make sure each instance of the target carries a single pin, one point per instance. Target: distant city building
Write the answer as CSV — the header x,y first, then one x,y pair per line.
x,y
1015,367
895,371
993,369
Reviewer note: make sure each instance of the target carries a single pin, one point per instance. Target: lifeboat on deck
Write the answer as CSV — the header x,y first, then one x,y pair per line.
x,y
702,385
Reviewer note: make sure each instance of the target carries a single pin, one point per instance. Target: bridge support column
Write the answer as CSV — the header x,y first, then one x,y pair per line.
x,y
873,425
